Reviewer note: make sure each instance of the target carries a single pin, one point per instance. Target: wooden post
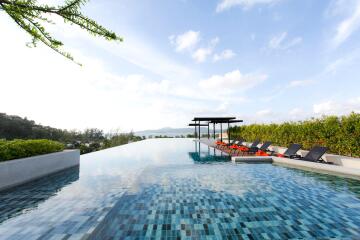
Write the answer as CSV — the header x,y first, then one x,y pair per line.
x,y
214,130
208,130
199,130
221,131
229,132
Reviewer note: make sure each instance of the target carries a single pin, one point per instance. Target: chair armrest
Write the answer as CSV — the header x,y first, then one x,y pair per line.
x,y
295,156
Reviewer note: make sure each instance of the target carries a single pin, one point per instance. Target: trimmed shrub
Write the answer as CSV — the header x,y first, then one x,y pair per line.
x,y
340,134
15,149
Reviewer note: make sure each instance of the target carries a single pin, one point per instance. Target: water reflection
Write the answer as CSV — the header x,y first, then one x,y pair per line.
x,y
16,201
207,154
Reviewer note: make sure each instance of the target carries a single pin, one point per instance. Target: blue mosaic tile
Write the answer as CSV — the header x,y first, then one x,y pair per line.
x,y
16,201
230,201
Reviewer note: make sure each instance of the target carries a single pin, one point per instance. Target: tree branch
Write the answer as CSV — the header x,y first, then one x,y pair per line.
x,y
28,15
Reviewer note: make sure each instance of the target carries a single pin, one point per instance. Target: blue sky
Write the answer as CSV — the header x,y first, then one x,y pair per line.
x,y
260,60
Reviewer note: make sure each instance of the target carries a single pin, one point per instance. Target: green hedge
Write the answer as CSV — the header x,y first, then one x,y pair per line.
x,y
340,134
27,148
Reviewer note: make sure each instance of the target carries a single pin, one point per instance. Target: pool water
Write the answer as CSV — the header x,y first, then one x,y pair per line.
x,y
180,189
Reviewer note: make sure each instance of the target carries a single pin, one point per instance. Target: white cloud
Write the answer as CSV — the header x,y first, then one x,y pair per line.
x,y
296,112
185,41
226,54
300,83
232,81
134,50
337,107
264,113
201,54
350,24
280,42
245,4
342,63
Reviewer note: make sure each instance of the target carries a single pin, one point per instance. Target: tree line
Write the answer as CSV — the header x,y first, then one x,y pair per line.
x,y
89,140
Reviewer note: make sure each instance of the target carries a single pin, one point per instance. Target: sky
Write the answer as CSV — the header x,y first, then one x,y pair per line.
x,y
259,60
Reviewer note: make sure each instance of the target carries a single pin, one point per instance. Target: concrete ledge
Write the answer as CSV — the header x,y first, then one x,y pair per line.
x,y
250,159
16,172
304,165
319,167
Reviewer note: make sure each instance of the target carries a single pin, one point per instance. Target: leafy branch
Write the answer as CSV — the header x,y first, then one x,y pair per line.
x,y
31,16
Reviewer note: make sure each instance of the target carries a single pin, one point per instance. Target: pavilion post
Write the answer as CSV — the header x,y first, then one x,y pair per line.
x,y
195,131
214,130
208,130
229,132
199,131
221,131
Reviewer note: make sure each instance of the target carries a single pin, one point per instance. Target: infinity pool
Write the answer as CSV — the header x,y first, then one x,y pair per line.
x,y
180,189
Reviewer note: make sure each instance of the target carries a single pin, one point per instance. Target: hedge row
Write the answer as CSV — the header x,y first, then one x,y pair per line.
x,y
340,134
27,148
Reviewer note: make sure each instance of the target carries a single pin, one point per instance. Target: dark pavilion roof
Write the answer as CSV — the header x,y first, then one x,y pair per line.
x,y
197,124
213,118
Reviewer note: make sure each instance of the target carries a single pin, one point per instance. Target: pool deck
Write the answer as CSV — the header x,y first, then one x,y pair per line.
x,y
295,163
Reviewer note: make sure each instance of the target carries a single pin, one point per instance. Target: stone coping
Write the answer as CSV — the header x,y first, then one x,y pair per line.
x,y
304,165
20,171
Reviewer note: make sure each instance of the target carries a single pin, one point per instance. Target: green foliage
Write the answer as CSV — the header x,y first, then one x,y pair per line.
x,y
31,16
15,127
89,140
117,139
340,134
26,148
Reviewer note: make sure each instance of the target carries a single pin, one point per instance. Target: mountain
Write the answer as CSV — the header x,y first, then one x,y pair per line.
x,y
171,132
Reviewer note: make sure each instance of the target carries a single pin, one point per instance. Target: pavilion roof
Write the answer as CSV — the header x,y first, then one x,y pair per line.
x,y
214,119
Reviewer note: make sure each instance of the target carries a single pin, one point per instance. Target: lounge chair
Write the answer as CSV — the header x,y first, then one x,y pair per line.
x,y
255,143
220,144
314,155
243,148
291,151
237,144
263,148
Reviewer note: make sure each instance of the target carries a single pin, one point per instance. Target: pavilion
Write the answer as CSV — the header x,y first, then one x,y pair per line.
x,y
213,120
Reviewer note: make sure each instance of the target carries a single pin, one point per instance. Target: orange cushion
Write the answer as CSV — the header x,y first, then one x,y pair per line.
x,y
261,153
243,149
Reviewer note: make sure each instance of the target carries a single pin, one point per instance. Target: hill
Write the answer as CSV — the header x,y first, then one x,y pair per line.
x,y
171,132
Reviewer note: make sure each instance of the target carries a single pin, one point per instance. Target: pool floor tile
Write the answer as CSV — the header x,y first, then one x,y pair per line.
x,y
239,204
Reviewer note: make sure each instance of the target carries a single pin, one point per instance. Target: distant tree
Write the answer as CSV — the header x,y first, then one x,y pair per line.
x,y
31,16
93,135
